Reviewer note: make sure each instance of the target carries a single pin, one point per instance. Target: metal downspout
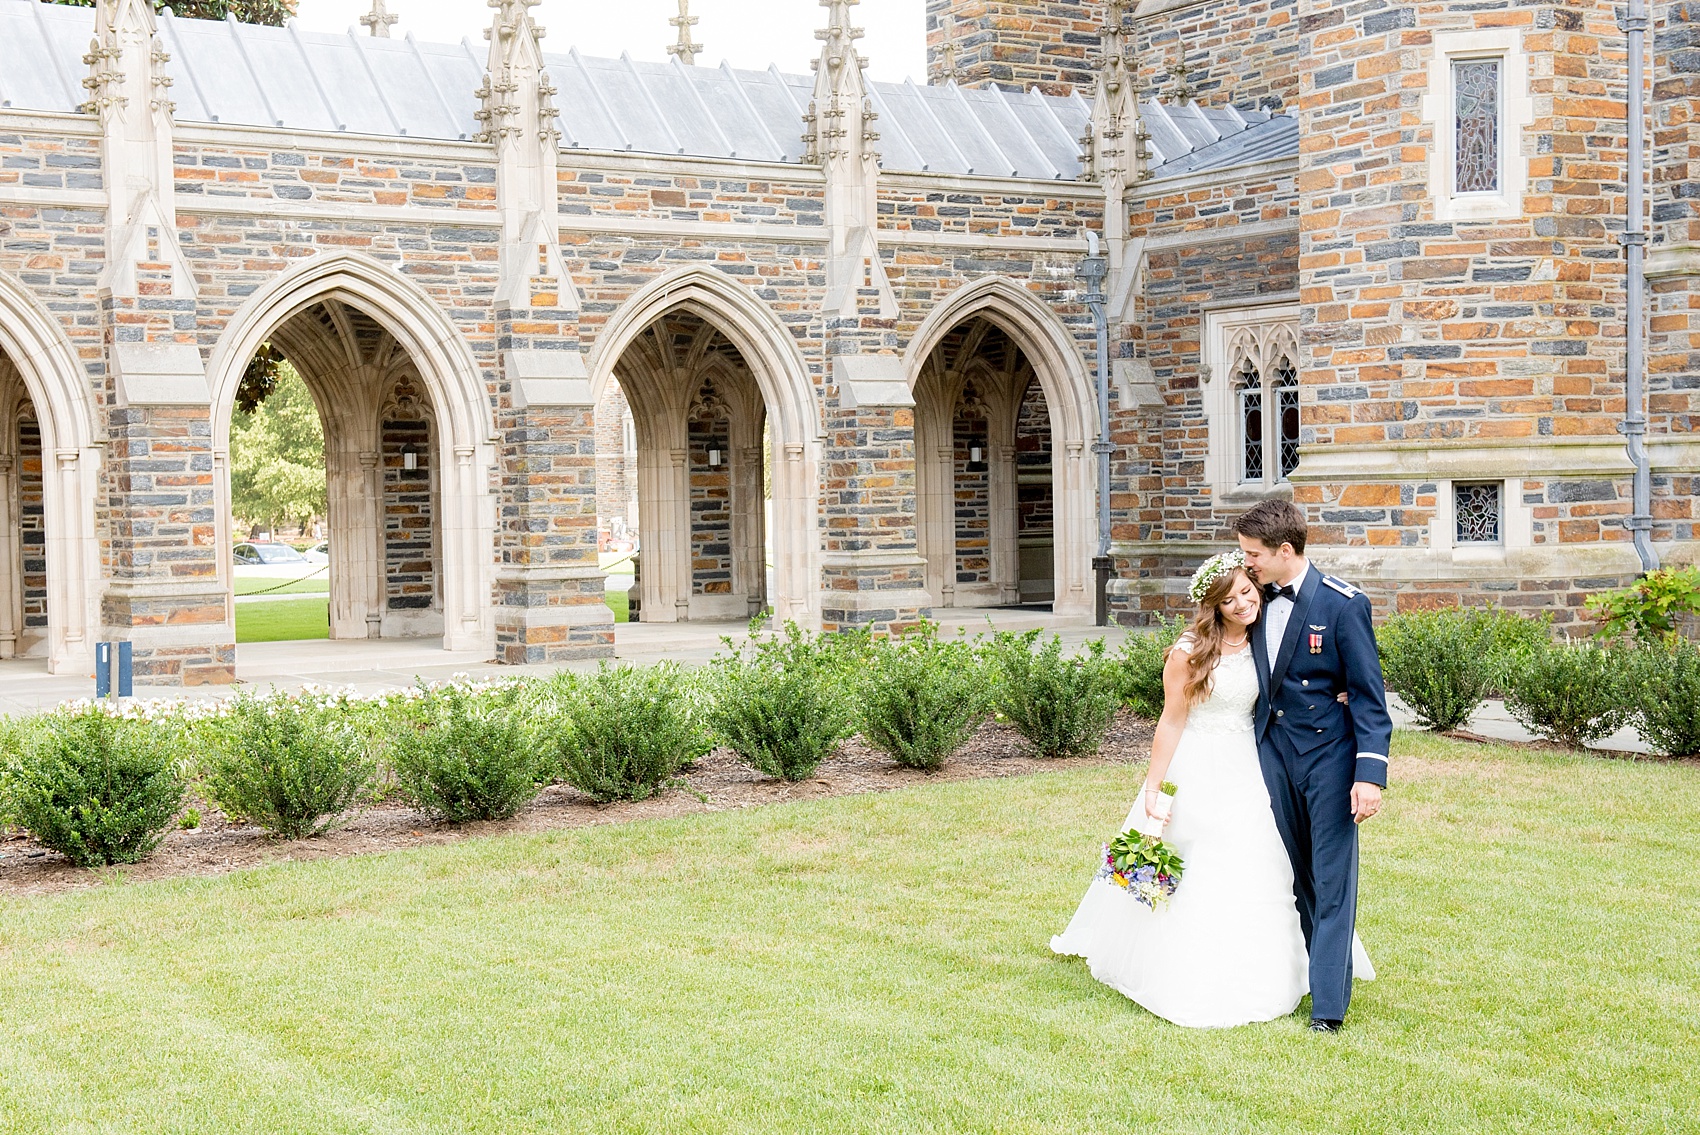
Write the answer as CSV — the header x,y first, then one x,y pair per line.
x,y
1634,427
1093,270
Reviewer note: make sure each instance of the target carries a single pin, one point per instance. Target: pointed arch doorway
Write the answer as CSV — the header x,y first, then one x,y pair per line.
x,y
727,436
1003,414
408,447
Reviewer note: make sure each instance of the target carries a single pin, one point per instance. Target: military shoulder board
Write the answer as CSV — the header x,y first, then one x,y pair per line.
x,y
1342,587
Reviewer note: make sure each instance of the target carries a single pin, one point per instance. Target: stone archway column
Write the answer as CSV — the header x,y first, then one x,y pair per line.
x,y
354,524
11,563
1072,499
1006,521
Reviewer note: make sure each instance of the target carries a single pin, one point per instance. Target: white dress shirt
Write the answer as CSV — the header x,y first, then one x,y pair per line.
x,y
1276,614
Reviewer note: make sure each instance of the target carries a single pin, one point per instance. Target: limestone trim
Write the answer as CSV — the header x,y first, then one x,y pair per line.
x,y
1677,260
49,122
35,343
1149,8
1189,238
787,390
1159,186
1517,113
1063,377
1465,460
450,374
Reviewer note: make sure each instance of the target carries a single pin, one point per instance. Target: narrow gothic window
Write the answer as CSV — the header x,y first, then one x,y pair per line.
x,y
1287,406
1476,111
1477,510
1251,422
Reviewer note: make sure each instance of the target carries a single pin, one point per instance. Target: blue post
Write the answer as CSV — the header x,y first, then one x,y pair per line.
x,y
114,668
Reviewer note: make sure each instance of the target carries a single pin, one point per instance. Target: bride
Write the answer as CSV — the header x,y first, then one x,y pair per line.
x,y
1227,948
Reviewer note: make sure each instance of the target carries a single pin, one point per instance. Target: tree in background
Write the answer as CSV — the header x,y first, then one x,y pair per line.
x,y
277,456
273,12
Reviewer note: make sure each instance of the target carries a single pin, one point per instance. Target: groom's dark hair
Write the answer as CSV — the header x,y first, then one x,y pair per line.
x,y
1273,523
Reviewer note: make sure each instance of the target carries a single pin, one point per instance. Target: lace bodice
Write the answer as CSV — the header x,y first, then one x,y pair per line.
x,y
1233,697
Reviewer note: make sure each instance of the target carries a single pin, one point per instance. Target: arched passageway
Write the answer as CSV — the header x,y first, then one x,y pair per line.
x,y
49,485
408,447
728,439
699,422
985,450
383,494
1003,414
23,522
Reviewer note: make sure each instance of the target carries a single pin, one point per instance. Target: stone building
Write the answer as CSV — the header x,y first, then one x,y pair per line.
x,y
1360,253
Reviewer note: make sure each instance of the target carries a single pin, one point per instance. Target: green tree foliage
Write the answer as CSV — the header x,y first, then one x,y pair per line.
x,y
272,12
277,456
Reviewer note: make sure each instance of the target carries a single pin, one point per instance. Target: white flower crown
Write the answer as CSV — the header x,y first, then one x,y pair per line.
x,y
1211,570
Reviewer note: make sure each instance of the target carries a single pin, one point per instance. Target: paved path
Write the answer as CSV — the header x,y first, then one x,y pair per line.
x,y
371,666
374,666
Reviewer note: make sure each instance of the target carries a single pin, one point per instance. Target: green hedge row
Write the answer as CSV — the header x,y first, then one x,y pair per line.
x,y
1444,663
101,785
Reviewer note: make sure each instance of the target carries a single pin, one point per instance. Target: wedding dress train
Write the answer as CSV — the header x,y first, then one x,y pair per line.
x,y
1227,948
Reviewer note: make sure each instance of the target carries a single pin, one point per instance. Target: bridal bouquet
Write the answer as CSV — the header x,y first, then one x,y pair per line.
x,y
1143,866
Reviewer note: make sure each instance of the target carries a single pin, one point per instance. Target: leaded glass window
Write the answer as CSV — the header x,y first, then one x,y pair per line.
x,y
1251,421
1476,125
1477,510
1287,406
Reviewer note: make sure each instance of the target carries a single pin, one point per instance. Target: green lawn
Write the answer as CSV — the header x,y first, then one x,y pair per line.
x,y
317,585
283,620
872,964
288,620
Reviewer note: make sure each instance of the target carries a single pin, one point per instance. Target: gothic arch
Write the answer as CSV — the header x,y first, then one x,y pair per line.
x,y
782,376
451,376
36,344
1062,374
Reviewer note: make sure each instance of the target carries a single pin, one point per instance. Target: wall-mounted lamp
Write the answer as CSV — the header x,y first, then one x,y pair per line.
x,y
714,459
409,459
976,460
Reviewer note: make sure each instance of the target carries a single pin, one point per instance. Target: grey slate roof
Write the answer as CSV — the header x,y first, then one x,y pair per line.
x,y
249,75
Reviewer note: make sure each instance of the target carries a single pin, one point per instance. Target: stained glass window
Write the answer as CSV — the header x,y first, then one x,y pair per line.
x,y
1477,508
1475,110
1251,422
1287,406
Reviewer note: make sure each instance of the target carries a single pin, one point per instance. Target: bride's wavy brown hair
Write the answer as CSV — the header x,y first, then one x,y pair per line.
x,y
1206,636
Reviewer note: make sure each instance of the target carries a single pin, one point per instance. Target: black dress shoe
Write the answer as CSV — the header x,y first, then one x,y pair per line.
x,y
1319,1025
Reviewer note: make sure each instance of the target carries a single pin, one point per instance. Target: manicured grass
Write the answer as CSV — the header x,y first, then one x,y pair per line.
x,y
283,621
292,619
317,585
620,603
874,963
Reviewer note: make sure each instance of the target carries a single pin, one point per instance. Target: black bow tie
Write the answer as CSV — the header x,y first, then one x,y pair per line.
x,y
1274,591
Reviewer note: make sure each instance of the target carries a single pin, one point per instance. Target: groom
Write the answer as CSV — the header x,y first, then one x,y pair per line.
x,y
1324,763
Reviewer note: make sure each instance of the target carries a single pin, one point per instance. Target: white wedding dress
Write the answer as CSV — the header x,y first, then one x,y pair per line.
x,y
1226,949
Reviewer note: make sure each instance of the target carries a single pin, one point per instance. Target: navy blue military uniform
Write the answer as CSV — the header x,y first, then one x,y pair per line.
x,y
1312,749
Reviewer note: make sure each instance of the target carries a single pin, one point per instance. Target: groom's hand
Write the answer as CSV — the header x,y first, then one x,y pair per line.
x,y
1366,800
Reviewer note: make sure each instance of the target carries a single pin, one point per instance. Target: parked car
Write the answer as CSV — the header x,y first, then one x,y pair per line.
x,y
319,553
268,555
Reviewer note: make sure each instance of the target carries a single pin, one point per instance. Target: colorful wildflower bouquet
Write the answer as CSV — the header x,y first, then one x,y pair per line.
x,y
1143,865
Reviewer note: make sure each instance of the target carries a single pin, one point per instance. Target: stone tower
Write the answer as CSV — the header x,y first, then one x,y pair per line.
x,y
1015,44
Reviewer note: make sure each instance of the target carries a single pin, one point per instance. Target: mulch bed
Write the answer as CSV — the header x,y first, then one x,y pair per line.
x,y
717,783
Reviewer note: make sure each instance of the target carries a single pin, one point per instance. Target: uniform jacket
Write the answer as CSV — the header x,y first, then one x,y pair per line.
x,y
1329,647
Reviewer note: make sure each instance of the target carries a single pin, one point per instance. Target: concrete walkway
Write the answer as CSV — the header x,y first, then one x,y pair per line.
x,y
373,666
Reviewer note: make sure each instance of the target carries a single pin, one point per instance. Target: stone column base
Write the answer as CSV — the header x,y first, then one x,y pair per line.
x,y
883,591
181,633
557,615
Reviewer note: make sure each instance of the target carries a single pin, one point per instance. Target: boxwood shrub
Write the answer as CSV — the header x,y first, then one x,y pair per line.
x,y
1061,706
922,698
624,731
95,787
